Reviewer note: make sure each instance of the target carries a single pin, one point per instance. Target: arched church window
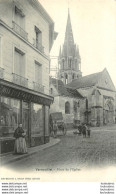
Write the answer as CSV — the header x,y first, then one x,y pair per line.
x,y
86,104
69,63
66,78
67,108
75,107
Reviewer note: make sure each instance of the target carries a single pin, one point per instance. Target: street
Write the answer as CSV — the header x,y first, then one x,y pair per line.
x,y
74,151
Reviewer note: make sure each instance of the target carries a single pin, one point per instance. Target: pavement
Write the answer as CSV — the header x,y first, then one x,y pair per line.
x,y
9,158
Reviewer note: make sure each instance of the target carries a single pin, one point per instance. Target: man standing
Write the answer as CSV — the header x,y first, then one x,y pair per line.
x,y
88,131
84,129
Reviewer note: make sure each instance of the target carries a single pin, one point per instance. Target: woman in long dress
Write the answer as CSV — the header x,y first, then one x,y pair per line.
x,y
20,143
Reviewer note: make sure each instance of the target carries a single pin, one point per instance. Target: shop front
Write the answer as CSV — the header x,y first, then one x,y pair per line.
x,y
22,105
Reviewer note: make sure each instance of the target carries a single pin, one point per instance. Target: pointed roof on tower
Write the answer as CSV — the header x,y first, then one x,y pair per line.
x,y
69,34
69,47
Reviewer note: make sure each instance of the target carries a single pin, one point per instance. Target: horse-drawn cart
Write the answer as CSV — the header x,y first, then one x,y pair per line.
x,y
58,118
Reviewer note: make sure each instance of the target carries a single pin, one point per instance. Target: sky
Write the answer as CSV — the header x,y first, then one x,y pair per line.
x,y
94,30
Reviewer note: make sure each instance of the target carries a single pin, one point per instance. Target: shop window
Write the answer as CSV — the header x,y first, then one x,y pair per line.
x,y
67,108
37,125
10,117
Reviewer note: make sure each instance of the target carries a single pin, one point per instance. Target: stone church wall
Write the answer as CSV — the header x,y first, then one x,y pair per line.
x,y
59,106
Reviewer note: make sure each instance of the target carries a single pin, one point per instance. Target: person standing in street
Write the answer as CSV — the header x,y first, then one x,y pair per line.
x,y
55,128
88,131
84,130
20,142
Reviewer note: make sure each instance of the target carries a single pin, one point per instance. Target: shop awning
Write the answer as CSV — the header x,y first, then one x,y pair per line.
x,y
12,90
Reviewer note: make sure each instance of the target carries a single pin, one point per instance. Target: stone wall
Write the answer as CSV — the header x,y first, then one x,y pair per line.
x,y
59,106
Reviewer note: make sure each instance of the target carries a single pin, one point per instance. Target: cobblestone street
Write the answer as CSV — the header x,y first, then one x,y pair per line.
x,y
74,151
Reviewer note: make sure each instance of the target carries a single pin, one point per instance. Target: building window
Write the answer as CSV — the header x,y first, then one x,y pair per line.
x,y
67,108
19,62
38,72
19,68
19,17
70,63
19,23
66,78
38,40
38,77
86,104
75,107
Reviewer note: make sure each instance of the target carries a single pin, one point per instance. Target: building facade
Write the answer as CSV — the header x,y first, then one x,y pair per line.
x,y
99,91
26,38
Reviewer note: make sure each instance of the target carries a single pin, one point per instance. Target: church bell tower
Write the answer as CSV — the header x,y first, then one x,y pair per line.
x,y
69,57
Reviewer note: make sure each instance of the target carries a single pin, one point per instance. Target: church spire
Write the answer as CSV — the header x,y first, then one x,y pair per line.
x,y
69,58
69,40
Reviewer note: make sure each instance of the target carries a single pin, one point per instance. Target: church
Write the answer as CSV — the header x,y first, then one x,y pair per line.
x,y
85,99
